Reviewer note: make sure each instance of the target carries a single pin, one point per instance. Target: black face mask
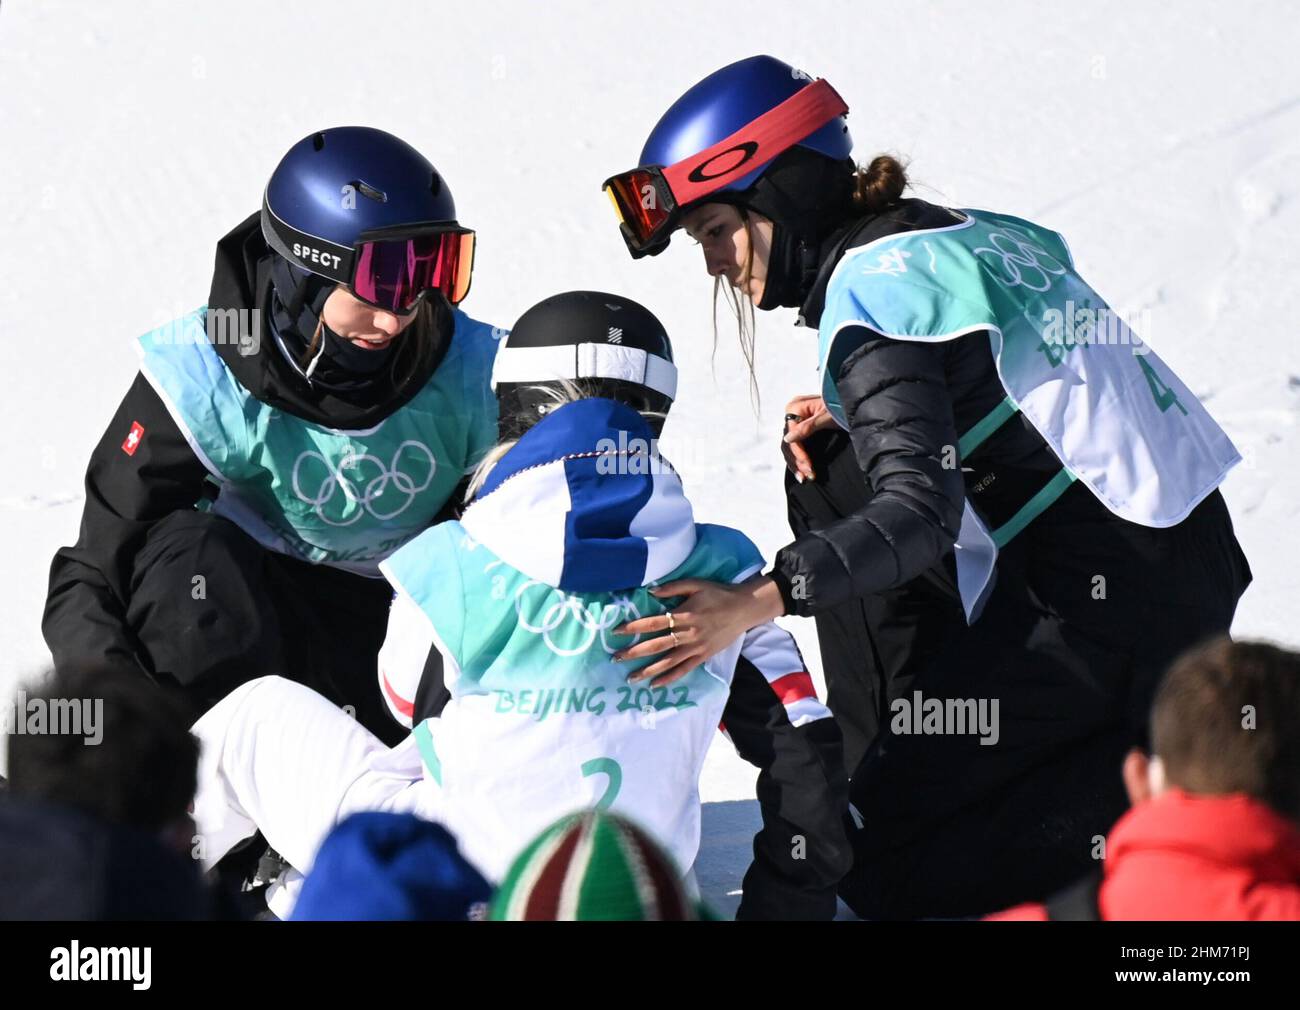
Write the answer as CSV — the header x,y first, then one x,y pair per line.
x,y
358,360
297,300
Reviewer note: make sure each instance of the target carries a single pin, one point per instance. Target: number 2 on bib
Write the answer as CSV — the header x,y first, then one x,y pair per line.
x,y
606,766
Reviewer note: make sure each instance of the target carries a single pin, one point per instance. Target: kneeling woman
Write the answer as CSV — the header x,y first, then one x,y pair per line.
x,y
280,442
568,531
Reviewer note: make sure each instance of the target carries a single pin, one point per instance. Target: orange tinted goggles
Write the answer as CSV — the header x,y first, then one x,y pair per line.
x,y
649,199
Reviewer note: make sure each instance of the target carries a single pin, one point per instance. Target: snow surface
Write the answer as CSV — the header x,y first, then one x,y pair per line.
x,y
1163,141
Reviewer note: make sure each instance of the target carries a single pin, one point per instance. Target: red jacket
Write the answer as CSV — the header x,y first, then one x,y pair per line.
x,y
1183,856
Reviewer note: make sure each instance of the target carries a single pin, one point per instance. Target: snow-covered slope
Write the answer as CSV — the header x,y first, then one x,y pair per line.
x,y
1164,142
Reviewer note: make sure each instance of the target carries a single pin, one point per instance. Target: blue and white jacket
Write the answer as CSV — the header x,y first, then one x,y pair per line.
x,y
573,527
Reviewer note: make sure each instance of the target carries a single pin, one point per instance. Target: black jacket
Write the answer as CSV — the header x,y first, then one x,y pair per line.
x,y
907,404
126,493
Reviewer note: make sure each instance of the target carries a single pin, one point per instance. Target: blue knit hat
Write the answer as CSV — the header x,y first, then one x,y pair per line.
x,y
391,867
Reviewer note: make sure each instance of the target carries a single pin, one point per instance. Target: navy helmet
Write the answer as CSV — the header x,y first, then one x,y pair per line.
x,y
727,100
338,189
719,140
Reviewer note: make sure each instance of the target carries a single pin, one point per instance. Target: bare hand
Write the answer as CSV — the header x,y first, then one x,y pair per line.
x,y
812,417
713,616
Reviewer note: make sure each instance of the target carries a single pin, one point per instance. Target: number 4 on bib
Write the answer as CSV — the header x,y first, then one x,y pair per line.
x,y
1164,396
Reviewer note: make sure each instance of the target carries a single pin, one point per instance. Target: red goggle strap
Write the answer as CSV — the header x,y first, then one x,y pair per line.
x,y
755,143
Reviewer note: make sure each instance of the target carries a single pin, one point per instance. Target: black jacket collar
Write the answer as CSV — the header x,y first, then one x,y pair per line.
x,y
906,215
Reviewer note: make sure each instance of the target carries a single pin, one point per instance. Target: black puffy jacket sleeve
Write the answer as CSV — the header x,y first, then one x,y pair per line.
x,y
900,413
126,493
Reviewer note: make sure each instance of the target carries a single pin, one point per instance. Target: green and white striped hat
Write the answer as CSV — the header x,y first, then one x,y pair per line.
x,y
594,866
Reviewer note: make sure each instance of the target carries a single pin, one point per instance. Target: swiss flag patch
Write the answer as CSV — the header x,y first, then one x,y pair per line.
x,y
133,438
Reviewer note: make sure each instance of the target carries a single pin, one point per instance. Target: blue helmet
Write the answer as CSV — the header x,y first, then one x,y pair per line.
x,y
727,100
336,184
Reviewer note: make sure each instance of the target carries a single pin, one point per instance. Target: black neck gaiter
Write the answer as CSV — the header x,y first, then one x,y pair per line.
x,y
789,266
806,196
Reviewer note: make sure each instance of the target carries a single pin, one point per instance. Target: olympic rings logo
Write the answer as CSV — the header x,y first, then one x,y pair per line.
x,y
370,481
595,620
1026,265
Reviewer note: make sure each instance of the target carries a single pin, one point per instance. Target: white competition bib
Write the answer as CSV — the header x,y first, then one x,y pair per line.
x,y
1114,414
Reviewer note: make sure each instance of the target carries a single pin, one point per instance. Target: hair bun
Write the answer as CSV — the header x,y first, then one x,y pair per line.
x,y
880,184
